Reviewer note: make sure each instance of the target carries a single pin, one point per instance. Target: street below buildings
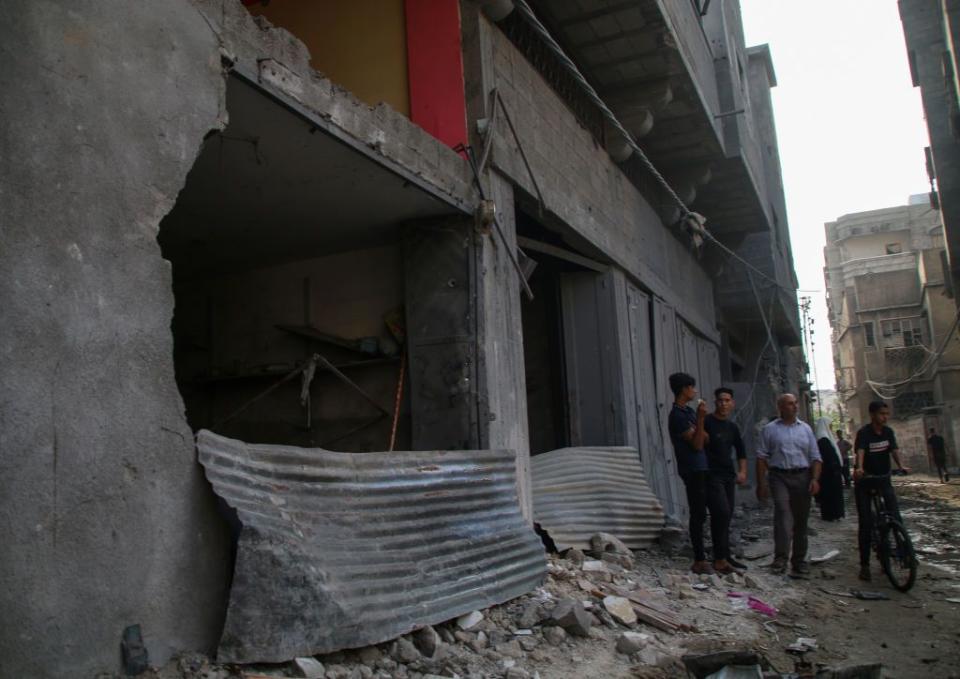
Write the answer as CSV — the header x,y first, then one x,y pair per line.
x,y
916,634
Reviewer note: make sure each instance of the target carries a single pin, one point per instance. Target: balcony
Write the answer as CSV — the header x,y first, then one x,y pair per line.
x,y
655,62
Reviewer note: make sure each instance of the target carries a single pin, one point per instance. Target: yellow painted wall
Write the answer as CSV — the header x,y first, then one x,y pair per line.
x,y
359,44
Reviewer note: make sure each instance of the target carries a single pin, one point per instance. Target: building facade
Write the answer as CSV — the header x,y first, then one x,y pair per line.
x,y
891,312
210,192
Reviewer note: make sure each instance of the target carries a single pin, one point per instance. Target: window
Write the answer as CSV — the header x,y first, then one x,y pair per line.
x,y
902,332
894,248
868,337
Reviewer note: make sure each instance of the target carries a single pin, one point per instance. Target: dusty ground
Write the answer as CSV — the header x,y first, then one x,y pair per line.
x,y
913,635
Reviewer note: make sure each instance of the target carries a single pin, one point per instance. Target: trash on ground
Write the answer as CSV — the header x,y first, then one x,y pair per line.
x,y
753,603
802,645
869,596
825,557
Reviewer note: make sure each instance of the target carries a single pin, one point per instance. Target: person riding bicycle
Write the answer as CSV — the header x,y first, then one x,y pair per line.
x,y
875,444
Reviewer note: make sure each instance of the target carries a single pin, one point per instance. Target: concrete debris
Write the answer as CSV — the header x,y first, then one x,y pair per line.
x,y
426,640
753,582
604,542
593,566
470,620
621,609
311,668
825,557
405,651
574,556
554,635
621,560
571,616
516,673
629,643
531,616
510,649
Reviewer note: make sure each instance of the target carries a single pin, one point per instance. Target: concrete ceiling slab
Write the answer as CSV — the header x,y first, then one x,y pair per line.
x,y
271,187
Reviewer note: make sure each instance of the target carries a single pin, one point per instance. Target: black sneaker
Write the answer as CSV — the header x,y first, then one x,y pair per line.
x,y
800,570
778,567
865,573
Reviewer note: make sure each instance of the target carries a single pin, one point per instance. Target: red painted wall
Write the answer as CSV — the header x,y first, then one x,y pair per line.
x,y
435,69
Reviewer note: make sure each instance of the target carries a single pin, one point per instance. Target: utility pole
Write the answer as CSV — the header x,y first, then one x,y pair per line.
x,y
807,319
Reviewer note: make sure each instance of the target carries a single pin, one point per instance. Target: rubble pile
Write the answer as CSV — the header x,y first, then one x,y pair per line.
x,y
605,608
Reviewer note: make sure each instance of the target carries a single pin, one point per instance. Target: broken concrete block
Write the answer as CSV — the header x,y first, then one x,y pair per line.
x,y
574,556
753,582
426,641
469,620
311,668
555,635
686,592
621,560
621,609
532,615
404,651
594,566
734,578
629,643
517,673
528,643
604,542
510,649
569,615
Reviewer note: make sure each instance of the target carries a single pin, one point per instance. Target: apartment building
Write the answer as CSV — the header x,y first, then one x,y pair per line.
x,y
208,193
891,312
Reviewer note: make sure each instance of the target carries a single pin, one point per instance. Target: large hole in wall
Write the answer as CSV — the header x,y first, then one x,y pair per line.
x,y
285,245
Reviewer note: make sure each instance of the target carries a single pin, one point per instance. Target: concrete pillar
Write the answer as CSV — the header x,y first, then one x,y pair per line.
x,y
500,342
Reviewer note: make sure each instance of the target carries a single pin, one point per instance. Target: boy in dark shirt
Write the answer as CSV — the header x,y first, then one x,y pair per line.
x,y
688,436
875,445
723,440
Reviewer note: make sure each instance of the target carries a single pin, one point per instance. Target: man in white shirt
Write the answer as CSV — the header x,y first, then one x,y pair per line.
x,y
788,451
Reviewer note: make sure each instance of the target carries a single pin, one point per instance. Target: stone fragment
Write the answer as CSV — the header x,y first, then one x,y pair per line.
x,y
734,578
604,542
510,649
469,620
311,668
404,651
686,592
569,615
528,643
554,635
446,635
369,655
574,556
532,615
517,673
629,643
594,566
621,609
426,640
650,656
754,582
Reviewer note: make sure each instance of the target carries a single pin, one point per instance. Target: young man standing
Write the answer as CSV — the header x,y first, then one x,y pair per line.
x,y
937,449
875,445
688,436
789,450
723,441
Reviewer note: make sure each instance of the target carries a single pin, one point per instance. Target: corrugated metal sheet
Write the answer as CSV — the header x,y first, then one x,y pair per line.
x,y
342,550
581,491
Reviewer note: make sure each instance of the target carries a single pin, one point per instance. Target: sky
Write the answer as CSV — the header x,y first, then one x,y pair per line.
x,y
849,123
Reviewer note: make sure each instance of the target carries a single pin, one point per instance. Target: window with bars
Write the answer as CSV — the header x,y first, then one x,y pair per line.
x,y
902,332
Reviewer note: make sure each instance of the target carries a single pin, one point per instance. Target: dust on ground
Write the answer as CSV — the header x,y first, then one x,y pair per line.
x,y
912,635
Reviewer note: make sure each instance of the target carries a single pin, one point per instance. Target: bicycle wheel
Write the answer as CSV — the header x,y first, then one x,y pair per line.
x,y
897,557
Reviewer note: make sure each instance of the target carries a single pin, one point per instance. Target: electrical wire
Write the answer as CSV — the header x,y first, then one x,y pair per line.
x,y
931,361
571,68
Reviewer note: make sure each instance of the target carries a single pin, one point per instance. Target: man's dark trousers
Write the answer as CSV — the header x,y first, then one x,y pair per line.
x,y
791,508
861,491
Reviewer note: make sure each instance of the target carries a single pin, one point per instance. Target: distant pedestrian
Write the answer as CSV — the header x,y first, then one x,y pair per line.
x,y
844,446
831,478
788,451
938,451
688,436
723,442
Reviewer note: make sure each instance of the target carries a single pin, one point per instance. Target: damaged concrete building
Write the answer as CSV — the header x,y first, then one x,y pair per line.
x,y
388,226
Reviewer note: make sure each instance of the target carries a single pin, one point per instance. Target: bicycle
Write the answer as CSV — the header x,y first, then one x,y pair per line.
x,y
890,540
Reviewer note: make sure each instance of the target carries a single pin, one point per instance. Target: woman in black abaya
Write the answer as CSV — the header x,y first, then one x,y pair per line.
x,y
831,477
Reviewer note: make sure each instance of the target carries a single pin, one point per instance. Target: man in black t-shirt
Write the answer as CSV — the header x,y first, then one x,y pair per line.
x,y
875,445
723,440
938,451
